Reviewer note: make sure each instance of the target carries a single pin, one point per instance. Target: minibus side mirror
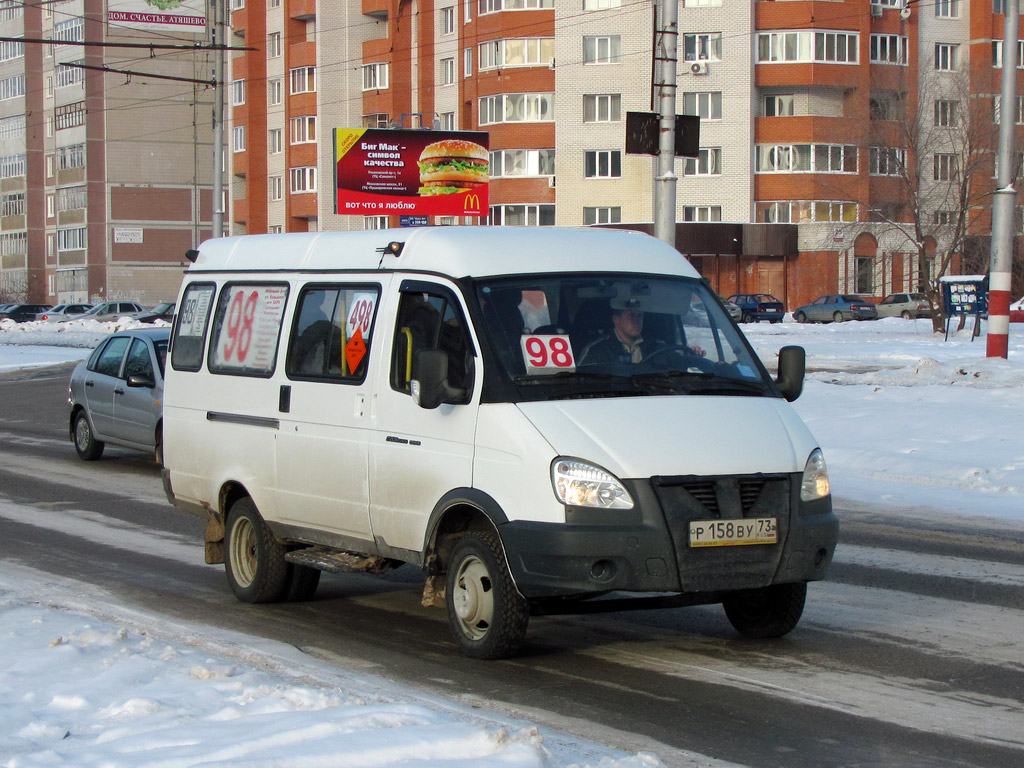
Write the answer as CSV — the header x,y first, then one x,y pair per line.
x,y
429,384
792,366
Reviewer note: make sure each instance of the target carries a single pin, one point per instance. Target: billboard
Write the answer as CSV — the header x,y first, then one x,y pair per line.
x,y
178,15
381,172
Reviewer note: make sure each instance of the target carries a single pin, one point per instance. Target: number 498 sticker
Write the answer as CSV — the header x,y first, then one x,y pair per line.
x,y
547,354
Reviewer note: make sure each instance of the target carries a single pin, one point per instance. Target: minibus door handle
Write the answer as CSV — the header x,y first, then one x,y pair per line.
x,y
284,399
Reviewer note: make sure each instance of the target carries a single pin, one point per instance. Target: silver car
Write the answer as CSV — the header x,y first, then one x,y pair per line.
x,y
108,310
63,312
116,395
905,305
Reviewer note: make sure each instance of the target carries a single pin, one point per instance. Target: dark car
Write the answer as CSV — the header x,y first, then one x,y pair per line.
x,y
164,312
755,307
23,313
116,395
835,308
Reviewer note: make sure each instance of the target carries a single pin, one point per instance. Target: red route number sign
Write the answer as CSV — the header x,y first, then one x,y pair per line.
x,y
547,354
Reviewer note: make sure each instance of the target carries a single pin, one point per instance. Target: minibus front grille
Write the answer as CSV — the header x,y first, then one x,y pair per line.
x,y
707,492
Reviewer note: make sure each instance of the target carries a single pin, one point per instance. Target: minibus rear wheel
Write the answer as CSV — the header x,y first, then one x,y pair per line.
x,y
486,613
254,559
766,612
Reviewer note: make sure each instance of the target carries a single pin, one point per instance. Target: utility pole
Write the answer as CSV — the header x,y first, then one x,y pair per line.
x,y
220,55
665,181
1001,259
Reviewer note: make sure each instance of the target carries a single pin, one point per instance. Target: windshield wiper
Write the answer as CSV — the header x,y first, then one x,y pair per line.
x,y
562,376
698,382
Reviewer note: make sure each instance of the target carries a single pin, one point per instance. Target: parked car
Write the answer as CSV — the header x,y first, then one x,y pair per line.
x,y
732,308
1017,311
835,308
108,310
22,313
163,312
755,307
905,305
62,311
116,394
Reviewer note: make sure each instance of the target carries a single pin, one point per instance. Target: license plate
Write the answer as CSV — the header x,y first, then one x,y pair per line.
x,y
730,533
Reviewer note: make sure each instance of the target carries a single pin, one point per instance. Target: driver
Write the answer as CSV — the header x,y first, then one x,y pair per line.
x,y
625,344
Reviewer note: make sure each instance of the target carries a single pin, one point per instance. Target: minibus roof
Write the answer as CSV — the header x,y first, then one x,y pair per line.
x,y
470,251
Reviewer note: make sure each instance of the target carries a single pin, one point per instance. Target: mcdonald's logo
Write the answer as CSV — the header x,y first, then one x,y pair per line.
x,y
472,202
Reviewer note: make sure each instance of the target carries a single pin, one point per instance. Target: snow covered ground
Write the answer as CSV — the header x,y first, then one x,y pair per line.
x,y
910,425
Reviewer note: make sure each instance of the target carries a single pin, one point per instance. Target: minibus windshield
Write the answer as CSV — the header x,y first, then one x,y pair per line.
x,y
615,335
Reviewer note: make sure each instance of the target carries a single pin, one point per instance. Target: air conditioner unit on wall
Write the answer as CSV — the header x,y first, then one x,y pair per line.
x,y
876,10
698,68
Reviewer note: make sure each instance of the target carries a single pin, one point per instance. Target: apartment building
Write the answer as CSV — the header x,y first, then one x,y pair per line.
x,y
825,124
105,171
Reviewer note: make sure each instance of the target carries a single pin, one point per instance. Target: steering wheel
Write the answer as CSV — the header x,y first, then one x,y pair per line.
x,y
692,360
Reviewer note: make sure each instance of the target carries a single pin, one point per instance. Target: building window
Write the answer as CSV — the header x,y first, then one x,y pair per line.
x,y
375,77
997,54
946,113
12,166
303,129
809,46
375,120
600,5
13,205
602,50
702,213
888,49
996,111
13,243
602,164
887,161
448,20
943,218
707,163
778,105
237,93
375,222
11,49
237,5
946,167
706,46
275,229
73,239
273,45
238,138
864,281
71,156
803,211
947,57
12,87
611,214
69,115
467,62
66,75
805,158
274,141
886,106
302,80
275,187
70,31
518,52
71,198
274,91
517,108
447,121
707,105
494,6
947,9
602,108
522,162
522,215
448,71
302,179
12,127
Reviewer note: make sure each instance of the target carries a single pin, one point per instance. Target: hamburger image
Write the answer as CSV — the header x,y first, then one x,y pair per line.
x,y
452,165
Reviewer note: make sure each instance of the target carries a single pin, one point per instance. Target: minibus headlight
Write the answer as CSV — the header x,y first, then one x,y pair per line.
x,y
583,485
815,480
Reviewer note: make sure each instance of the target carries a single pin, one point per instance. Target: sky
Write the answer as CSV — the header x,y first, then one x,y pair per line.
x,y
912,424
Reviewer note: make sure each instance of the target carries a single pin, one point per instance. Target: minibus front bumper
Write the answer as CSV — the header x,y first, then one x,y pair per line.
x,y
648,548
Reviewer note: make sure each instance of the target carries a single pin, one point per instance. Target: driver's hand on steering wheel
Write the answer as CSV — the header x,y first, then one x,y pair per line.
x,y
698,351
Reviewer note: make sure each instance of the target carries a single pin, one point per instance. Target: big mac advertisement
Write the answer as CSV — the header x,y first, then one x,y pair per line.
x,y
426,173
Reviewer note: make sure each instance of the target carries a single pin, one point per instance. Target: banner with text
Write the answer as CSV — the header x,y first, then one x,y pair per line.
x,y
380,172
178,15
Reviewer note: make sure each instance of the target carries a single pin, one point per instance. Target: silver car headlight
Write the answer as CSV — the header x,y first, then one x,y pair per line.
x,y
814,484
584,485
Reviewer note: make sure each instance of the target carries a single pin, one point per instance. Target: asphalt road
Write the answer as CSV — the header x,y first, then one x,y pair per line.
x,y
912,654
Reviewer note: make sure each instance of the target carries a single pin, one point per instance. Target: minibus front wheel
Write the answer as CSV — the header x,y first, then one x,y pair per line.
x,y
486,613
253,558
768,611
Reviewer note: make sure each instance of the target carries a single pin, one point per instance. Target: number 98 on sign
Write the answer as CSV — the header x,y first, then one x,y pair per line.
x,y
547,354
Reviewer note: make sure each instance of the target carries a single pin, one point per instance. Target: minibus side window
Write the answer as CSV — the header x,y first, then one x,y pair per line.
x,y
332,333
190,327
429,321
246,329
